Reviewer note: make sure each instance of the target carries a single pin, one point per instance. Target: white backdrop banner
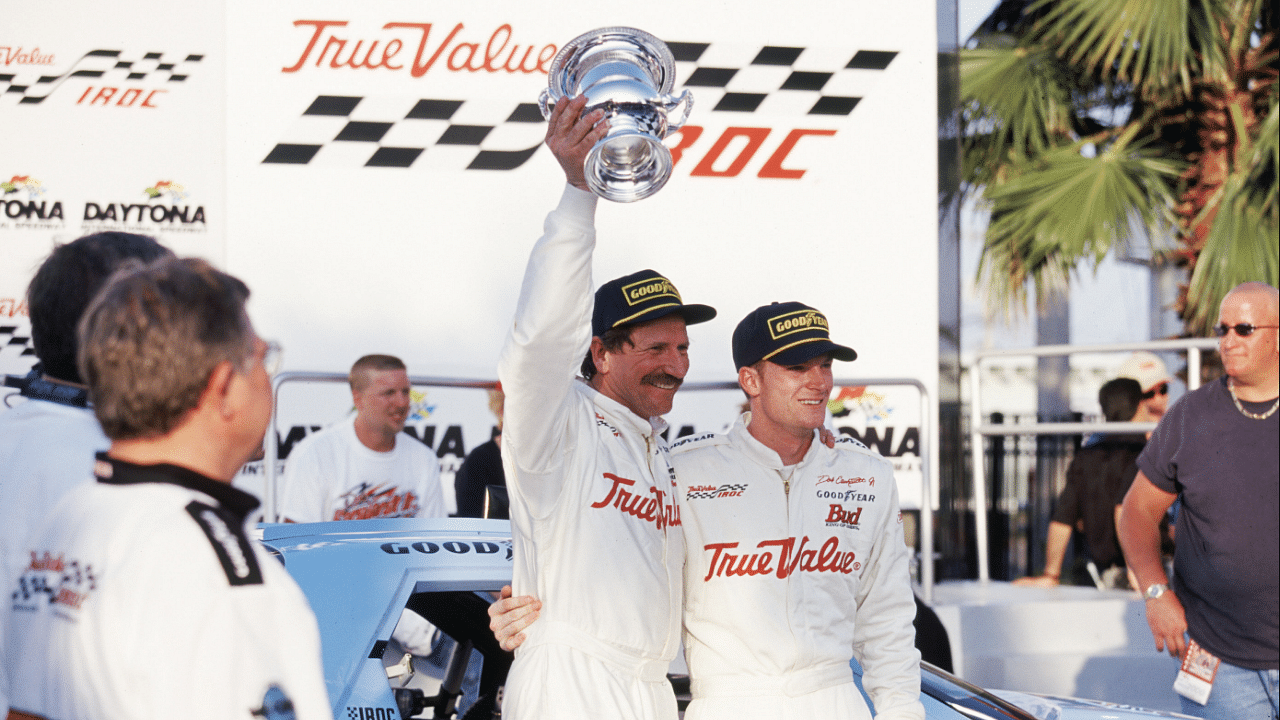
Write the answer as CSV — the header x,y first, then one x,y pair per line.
x,y
111,118
375,172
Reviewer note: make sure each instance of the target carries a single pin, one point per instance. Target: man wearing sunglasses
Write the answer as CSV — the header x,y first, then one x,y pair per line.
x,y
1097,479
1218,450
1149,370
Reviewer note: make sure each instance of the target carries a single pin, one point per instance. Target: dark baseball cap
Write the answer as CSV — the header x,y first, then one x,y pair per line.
x,y
641,297
787,333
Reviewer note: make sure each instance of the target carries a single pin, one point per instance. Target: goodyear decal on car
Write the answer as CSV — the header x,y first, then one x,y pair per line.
x,y
457,547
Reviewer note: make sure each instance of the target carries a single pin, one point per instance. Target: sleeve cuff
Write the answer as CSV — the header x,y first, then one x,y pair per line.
x,y
577,202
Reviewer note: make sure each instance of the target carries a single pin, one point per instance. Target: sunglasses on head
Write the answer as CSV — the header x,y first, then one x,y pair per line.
x,y
1161,389
1242,329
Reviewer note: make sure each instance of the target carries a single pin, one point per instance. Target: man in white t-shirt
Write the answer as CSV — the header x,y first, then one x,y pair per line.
x,y
362,467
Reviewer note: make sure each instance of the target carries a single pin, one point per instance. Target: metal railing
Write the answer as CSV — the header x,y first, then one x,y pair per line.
x,y
928,431
1191,346
272,446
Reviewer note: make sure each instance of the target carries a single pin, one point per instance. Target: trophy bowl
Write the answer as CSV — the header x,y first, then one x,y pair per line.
x,y
629,74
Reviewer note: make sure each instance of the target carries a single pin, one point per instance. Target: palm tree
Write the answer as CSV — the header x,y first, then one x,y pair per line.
x,y
1092,124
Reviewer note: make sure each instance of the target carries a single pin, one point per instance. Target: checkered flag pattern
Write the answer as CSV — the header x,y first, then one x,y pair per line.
x,y
106,66
475,135
392,132
15,342
775,79
705,494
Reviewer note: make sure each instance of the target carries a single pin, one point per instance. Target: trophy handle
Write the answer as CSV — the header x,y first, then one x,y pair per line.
x,y
685,99
545,104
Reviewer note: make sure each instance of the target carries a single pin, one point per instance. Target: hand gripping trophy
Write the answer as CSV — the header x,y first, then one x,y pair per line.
x,y
629,74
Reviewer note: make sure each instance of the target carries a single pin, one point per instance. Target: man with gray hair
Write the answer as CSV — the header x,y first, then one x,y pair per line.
x,y
148,573
47,443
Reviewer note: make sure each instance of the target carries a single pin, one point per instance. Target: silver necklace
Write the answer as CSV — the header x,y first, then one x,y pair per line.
x,y
1256,416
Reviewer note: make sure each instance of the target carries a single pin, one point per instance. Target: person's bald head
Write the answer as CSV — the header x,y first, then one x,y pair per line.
x,y
1249,340
1266,297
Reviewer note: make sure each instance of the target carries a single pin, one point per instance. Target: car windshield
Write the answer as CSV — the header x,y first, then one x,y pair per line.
x,y
961,695
967,699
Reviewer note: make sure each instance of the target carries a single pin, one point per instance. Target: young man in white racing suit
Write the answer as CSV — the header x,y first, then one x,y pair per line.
x,y
593,511
144,597
795,559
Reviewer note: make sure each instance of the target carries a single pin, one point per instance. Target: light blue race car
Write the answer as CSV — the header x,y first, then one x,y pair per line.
x,y
360,576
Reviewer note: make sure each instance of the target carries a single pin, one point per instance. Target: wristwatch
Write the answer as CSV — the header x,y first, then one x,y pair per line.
x,y
1155,590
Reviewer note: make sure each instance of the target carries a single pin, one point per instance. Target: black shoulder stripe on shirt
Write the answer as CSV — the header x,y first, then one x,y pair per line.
x,y
233,549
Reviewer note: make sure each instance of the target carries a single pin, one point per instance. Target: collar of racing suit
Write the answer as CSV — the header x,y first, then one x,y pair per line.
x,y
622,414
118,472
761,453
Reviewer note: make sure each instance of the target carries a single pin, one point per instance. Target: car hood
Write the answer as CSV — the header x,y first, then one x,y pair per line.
x,y
1052,707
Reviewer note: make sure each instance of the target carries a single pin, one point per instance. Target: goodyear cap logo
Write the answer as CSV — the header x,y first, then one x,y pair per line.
x,y
649,289
641,297
790,323
785,333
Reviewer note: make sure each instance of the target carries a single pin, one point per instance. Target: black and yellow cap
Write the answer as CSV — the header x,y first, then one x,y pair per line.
x,y
641,297
787,333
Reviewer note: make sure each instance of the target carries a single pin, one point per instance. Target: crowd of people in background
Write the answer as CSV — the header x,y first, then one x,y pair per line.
x,y
122,538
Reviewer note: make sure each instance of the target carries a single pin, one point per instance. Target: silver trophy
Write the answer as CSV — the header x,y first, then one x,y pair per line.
x,y
628,73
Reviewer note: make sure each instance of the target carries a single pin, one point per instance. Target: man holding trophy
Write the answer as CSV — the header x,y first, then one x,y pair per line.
x,y
594,517
609,633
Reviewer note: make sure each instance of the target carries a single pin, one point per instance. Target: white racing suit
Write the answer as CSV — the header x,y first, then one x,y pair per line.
x,y
593,512
144,597
783,587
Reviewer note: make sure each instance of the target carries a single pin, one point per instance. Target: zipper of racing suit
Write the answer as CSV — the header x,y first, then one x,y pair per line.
x,y
790,471
655,453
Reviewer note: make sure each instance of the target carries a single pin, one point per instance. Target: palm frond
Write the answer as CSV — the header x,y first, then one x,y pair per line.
x,y
1169,72
1140,42
1264,164
1022,99
1065,208
1243,245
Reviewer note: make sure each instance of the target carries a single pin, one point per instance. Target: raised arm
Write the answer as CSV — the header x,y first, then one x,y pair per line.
x,y
570,136
552,327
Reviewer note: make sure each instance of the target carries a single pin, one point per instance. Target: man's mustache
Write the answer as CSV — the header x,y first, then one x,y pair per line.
x,y
660,378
